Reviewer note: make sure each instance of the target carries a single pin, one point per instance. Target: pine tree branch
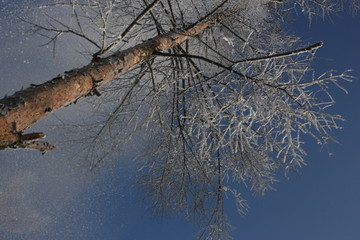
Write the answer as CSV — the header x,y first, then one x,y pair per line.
x,y
27,106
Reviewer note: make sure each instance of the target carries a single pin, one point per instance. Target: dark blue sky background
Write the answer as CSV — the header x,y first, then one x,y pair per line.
x,y
322,202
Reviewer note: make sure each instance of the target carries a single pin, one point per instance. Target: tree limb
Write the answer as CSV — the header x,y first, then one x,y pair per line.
x,y
27,106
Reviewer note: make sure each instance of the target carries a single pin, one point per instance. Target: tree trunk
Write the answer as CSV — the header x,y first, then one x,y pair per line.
x,y
25,107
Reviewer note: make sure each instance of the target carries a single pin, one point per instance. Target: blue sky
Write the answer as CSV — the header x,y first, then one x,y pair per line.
x,y
321,202
62,201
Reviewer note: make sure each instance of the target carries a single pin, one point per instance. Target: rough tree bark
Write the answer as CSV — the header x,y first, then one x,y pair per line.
x,y
25,107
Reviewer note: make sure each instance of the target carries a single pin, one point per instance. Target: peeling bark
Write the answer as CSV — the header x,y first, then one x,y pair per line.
x,y
25,107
